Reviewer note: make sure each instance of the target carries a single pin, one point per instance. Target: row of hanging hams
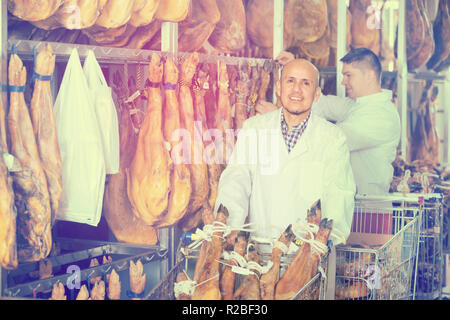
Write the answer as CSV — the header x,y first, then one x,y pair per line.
x,y
239,274
427,34
34,188
171,159
238,27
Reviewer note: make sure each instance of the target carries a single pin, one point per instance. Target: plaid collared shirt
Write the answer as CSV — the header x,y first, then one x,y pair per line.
x,y
290,138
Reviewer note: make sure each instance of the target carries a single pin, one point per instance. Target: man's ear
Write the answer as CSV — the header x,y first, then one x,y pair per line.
x,y
317,93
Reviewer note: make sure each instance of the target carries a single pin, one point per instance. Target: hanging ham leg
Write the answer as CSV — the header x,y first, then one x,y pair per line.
x,y
8,246
255,83
299,271
44,128
269,279
32,10
243,90
149,174
214,168
224,120
30,185
197,166
228,276
8,213
117,208
180,191
208,275
249,288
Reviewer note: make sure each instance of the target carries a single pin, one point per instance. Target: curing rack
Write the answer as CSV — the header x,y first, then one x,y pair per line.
x,y
76,254
114,59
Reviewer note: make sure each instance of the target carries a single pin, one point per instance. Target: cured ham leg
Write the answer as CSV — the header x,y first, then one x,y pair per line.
x,y
210,156
31,193
269,279
137,278
32,10
197,166
255,82
149,174
299,271
304,21
229,34
8,212
115,13
180,190
98,291
58,292
44,127
228,276
249,288
113,285
224,120
441,31
207,275
361,34
117,208
8,245
243,91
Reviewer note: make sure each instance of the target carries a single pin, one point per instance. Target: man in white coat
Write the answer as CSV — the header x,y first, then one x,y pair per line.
x,y
285,160
367,117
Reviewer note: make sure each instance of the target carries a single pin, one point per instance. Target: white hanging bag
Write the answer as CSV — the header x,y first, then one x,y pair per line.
x,y
105,110
81,150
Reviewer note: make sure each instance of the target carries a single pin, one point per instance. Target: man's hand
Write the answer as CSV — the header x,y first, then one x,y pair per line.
x,y
284,57
264,106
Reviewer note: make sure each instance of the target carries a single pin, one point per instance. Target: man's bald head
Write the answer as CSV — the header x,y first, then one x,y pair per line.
x,y
306,64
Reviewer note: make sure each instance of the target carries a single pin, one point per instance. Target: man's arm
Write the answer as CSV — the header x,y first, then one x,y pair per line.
x,y
338,198
332,108
235,183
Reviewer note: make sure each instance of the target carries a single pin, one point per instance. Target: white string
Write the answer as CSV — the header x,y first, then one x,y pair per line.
x,y
301,227
209,229
188,286
403,185
280,245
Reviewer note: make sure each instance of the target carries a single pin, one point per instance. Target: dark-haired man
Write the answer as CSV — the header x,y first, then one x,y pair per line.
x,y
367,117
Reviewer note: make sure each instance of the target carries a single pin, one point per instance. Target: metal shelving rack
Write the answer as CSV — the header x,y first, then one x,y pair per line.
x,y
113,56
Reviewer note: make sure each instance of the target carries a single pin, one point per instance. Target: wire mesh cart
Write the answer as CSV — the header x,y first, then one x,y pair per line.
x,y
379,260
430,260
315,289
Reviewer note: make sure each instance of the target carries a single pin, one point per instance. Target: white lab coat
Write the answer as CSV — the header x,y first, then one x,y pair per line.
x,y
275,188
372,127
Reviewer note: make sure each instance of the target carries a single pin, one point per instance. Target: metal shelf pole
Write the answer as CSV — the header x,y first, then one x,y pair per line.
x,y
341,45
4,81
402,78
278,34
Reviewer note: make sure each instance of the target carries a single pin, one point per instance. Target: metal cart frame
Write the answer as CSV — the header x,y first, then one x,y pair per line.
x,y
387,272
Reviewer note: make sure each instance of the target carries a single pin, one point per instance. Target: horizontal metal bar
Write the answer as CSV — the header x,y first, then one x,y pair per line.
x,y
119,55
397,196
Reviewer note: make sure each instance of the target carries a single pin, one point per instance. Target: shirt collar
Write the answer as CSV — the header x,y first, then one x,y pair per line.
x,y
298,127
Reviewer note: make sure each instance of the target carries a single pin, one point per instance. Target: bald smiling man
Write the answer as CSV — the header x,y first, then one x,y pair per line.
x,y
287,159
